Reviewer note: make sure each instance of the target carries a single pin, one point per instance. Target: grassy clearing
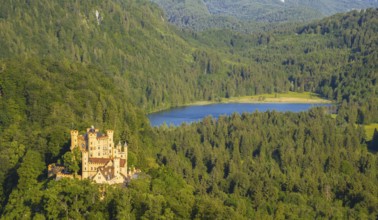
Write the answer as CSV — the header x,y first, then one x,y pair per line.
x,y
289,97
301,95
369,130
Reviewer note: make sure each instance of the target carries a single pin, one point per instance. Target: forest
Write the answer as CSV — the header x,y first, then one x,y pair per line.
x,y
247,16
63,68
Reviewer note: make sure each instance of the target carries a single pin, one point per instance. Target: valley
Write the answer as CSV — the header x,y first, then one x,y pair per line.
x,y
67,65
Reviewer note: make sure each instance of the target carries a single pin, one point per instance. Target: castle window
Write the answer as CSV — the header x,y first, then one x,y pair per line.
x,y
99,154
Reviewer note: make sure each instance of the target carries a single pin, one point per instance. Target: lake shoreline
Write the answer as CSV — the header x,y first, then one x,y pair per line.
x,y
278,98
193,113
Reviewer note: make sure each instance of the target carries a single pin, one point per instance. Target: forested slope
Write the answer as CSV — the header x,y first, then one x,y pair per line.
x,y
249,16
273,164
41,100
260,165
131,42
333,57
61,67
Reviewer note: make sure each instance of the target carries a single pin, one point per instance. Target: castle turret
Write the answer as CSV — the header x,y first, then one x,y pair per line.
x,y
85,165
110,134
92,144
117,150
74,140
110,144
124,169
117,164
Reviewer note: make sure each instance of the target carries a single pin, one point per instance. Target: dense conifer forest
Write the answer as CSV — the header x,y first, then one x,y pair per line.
x,y
63,68
249,16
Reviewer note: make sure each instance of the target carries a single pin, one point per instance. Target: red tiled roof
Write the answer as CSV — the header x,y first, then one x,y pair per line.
x,y
107,172
99,160
105,161
122,162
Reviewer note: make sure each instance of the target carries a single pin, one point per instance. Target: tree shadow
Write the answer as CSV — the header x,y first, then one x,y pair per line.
x,y
373,144
49,158
372,147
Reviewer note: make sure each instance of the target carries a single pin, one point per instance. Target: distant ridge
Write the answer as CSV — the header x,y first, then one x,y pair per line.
x,y
251,15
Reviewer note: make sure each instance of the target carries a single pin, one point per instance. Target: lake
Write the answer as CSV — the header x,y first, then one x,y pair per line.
x,y
189,114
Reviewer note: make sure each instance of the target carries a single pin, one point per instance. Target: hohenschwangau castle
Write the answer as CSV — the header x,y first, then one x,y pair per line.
x,y
102,162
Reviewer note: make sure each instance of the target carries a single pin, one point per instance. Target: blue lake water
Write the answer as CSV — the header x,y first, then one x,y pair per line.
x,y
189,114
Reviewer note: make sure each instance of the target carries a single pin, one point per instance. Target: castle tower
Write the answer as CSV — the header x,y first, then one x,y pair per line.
x,y
92,144
110,134
124,169
74,139
116,165
117,150
85,165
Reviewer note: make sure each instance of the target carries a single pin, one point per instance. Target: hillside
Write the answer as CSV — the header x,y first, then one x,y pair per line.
x,y
63,67
132,43
248,16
